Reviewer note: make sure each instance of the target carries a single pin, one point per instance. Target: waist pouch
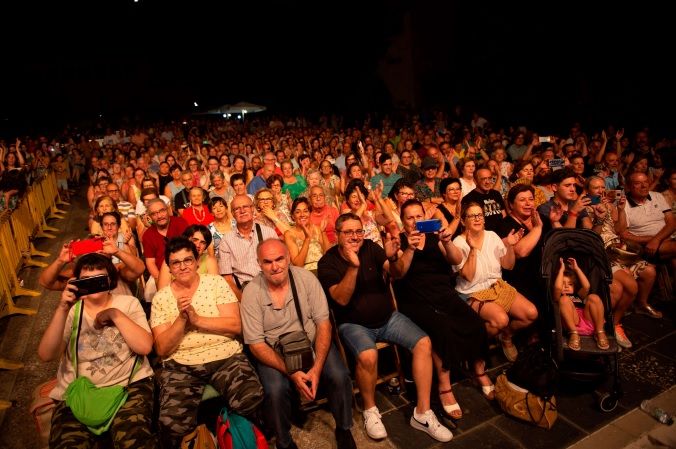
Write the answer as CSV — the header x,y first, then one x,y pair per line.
x,y
296,350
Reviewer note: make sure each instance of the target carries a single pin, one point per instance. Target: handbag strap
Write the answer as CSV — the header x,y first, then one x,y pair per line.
x,y
259,232
78,312
295,299
544,409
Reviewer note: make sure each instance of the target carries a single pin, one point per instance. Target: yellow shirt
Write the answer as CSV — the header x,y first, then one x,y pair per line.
x,y
197,346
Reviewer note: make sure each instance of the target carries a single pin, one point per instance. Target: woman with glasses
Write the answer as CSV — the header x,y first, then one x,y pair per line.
x,y
307,242
200,236
275,183
426,295
106,204
480,282
267,212
329,180
401,191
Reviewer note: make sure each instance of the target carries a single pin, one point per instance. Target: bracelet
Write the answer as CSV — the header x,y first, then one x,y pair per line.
x,y
574,214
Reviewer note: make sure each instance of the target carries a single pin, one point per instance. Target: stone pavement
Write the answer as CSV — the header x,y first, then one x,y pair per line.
x,y
647,370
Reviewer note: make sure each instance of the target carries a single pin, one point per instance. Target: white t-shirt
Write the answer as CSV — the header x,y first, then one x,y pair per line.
x,y
466,186
647,219
141,208
103,354
197,346
488,268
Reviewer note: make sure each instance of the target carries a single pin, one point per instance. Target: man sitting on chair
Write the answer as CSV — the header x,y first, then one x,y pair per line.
x,y
269,311
352,275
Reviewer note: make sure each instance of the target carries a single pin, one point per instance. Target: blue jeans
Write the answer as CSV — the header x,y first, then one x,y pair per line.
x,y
399,329
335,378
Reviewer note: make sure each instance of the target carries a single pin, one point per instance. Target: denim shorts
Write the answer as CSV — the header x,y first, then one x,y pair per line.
x,y
399,329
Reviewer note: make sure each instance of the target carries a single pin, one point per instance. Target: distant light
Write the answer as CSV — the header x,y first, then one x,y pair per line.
x,y
100,115
195,103
239,116
244,111
185,123
225,115
135,1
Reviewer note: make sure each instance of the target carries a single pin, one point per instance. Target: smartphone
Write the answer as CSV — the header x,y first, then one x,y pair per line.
x,y
612,195
545,139
427,226
595,199
556,164
91,285
87,246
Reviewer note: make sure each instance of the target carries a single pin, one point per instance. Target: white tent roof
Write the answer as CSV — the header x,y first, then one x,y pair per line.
x,y
239,108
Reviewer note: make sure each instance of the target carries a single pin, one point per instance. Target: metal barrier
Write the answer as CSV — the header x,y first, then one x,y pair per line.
x,y
17,230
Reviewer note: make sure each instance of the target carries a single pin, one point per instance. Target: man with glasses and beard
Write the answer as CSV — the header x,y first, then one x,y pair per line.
x,y
352,276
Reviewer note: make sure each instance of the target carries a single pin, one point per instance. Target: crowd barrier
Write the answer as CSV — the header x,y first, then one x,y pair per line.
x,y
18,229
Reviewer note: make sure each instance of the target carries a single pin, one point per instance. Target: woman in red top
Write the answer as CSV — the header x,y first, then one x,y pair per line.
x,y
197,212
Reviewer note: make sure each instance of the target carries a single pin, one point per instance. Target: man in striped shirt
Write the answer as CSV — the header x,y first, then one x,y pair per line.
x,y
237,261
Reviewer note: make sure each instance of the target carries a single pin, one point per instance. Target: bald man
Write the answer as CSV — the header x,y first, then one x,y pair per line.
x,y
268,311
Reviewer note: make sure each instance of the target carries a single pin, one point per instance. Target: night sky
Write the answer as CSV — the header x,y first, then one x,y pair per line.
x,y
515,62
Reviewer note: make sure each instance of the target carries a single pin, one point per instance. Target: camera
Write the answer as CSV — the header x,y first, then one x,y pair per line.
x,y
428,226
545,139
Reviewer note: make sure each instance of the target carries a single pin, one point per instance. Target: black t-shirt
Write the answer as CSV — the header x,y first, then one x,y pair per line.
x,y
525,276
493,206
370,305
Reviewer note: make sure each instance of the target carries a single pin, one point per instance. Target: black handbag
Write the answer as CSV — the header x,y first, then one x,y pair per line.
x,y
295,347
536,371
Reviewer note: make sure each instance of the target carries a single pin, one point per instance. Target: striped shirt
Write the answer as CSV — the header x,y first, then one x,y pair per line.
x,y
237,254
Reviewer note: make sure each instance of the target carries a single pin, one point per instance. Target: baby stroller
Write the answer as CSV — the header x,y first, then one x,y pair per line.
x,y
588,364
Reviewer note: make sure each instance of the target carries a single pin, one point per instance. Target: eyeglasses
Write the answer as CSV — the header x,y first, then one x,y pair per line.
x,y
112,190
353,233
267,198
157,212
109,225
474,216
187,262
406,193
241,209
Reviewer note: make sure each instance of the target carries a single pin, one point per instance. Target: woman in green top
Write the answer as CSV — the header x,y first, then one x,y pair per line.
x,y
294,184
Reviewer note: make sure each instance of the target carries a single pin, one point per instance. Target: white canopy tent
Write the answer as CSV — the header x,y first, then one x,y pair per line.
x,y
239,108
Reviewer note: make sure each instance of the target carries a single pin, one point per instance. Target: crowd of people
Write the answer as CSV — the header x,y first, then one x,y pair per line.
x,y
220,239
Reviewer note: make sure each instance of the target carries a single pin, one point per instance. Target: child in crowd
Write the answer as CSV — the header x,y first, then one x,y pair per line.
x,y
581,312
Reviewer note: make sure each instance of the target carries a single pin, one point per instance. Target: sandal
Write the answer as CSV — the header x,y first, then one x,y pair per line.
x,y
648,310
453,411
601,340
508,348
487,390
574,341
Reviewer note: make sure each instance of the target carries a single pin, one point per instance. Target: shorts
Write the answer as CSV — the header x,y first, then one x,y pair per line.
x,y
584,327
62,184
399,329
501,293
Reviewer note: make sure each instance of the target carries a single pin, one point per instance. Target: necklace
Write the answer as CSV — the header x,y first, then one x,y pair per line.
x,y
194,214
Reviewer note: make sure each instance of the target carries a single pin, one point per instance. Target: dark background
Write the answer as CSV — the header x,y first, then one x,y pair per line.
x,y
544,64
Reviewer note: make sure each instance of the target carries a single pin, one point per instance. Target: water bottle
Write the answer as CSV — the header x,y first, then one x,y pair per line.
x,y
657,413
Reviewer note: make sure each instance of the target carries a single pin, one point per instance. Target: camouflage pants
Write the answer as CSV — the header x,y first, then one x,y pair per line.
x,y
130,429
181,388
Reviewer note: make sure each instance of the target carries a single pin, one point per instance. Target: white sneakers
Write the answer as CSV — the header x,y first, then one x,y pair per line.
x,y
373,425
428,422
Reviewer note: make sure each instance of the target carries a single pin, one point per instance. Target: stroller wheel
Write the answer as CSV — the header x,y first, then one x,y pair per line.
x,y
607,402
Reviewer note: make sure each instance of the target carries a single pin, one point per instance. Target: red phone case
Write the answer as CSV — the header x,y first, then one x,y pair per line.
x,y
81,247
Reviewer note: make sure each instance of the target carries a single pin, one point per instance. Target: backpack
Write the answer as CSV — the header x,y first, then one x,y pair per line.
x,y
236,432
42,409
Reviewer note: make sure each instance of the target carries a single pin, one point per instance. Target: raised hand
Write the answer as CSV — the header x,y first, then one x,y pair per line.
x,y
572,263
415,239
555,213
535,220
68,297
391,244
513,237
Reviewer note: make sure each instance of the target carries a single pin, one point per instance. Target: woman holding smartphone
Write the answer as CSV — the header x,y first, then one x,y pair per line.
x,y
112,343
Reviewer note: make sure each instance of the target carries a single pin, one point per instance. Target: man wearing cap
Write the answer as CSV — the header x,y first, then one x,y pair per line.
x,y
387,175
427,189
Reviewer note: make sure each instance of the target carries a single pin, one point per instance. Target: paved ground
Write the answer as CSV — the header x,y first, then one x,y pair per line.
x,y
647,370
